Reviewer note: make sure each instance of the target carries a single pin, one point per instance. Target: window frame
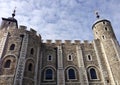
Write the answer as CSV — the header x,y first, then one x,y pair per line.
x,y
32,51
12,47
91,59
4,65
103,37
31,67
48,58
68,57
45,75
68,74
96,73
106,29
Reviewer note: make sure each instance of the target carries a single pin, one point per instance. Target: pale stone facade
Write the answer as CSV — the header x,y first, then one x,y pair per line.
x,y
26,60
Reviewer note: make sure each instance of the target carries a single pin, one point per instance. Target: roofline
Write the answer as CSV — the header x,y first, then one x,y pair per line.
x,y
14,20
100,20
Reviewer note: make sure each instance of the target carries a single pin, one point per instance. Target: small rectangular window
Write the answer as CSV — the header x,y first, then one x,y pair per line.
x,y
103,37
103,22
70,58
106,28
89,57
49,58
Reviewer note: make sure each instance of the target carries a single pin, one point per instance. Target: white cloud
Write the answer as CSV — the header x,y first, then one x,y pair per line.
x,y
62,19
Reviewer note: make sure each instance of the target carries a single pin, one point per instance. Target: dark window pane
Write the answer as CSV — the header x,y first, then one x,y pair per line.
x,y
7,64
48,74
93,73
89,57
71,74
49,57
32,51
30,67
12,47
106,28
70,57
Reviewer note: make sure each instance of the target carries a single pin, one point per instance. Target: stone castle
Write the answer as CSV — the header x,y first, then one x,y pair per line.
x,y
26,60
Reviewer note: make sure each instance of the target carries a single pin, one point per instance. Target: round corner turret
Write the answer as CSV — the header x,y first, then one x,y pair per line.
x,y
100,21
103,30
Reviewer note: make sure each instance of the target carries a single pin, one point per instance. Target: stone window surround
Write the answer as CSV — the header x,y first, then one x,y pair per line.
x,y
6,62
11,46
30,68
48,58
52,75
68,57
68,73
95,71
30,62
104,22
8,57
89,55
32,51
103,37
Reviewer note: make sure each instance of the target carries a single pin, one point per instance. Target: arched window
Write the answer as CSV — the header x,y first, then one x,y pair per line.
x,y
12,47
71,74
7,64
49,74
93,74
30,67
32,51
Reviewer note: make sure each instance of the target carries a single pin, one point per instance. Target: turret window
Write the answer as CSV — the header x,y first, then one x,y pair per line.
x,y
103,37
103,22
12,47
7,64
9,23
106,28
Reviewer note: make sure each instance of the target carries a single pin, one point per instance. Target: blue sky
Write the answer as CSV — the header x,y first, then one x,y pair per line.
x,y
63,19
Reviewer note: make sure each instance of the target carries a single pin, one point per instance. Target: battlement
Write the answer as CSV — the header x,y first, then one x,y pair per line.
x,y
22,27
33,31
68,42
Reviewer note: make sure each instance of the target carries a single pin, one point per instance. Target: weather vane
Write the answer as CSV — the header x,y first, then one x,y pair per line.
x,y
13,14
97,14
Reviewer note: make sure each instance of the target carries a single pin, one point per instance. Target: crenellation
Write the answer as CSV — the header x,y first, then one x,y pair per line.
x,y
86,41
25,59
48,41
67,41
58,42
33,31
39,36
22,27
77,42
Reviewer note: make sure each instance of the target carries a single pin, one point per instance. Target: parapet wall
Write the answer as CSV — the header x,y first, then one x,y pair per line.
x,y
67,42
34,32
57,42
